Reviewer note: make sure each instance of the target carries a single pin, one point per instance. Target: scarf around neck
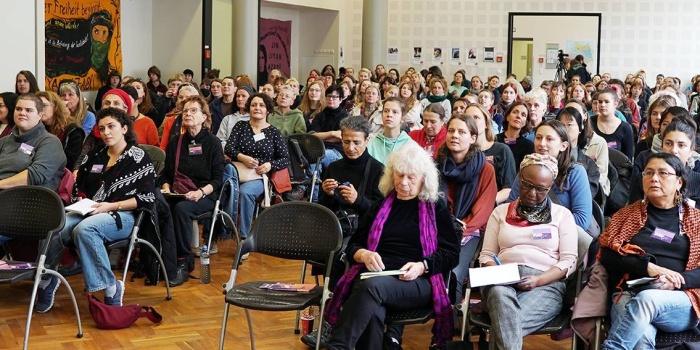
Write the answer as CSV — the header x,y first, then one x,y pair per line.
x,y
466,177
443,326
523,216
436,99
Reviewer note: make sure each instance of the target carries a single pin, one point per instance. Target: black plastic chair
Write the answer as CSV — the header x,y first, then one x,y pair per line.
x,y
563,319
157,156
291,230
312,151
33,213
131,242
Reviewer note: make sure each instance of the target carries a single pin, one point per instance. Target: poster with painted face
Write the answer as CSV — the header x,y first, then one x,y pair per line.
x,y
274,48
83,42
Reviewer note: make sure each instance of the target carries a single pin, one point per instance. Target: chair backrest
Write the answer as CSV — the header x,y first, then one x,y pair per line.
x,y
157,156
619,193
65,187
311,146
30,213
295,230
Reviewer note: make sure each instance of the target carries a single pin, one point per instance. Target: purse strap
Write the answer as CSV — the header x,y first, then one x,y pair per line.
x,y
364,179
177,152
151,314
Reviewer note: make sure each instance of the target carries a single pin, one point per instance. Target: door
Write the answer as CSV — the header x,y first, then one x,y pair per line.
x,y
522,57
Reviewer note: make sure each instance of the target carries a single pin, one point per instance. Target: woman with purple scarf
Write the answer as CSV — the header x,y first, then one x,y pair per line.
x,y
410,230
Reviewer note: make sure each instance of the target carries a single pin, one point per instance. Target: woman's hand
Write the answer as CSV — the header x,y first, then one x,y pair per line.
x,y
329,186
248,161
165,188
194,196
263,168
529,283
372,260
348,193
413,271
673,277
104,207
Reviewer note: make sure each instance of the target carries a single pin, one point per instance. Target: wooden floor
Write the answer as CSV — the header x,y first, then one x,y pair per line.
x,y
191,320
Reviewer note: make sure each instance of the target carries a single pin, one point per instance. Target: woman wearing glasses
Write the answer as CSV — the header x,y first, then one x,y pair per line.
x,y
78,107
539,236
196,154
656,237
571,186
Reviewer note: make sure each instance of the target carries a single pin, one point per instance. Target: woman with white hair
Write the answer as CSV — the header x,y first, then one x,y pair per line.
x,y
411,231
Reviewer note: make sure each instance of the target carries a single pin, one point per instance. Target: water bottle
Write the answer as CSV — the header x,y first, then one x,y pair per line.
x,y
204,271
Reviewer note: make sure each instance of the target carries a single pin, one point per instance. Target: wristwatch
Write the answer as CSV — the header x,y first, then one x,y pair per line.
x,y
425,265
203,194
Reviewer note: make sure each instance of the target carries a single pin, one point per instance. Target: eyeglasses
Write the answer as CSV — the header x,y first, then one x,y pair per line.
x,y
529,186
2,105
662,174
333,97
191,110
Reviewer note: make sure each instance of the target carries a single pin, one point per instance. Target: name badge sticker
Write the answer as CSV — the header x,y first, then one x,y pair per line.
x,y
542,233
195,150
510,140
97,168
26,149
258,137
489,159
663,235
612,144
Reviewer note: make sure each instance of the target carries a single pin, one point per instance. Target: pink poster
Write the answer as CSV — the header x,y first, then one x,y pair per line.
x,y
274,47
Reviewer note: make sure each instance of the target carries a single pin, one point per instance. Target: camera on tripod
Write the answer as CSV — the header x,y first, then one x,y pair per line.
x,y
561,56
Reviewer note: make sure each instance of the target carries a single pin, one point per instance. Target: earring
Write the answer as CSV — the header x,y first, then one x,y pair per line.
x,y
644,199
679,198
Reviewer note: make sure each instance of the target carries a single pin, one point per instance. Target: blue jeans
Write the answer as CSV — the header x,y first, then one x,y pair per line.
x,y
249,192
90,234
636,318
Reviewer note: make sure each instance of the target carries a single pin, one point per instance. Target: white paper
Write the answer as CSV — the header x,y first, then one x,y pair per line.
x,y
499,274
84,206
366,275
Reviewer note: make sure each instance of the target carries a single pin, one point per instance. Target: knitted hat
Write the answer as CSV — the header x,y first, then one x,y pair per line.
x,y
122,95
249,89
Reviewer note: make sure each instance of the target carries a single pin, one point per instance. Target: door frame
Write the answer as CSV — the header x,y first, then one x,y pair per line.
x,y
511,16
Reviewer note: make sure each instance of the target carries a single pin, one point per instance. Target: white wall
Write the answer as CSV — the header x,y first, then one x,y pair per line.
x,y
177,36
221,36
137,37
656,35
18,23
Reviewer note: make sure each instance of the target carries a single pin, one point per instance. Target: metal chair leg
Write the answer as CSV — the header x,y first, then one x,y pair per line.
x,y
224,322
297,330
160,261
72,297
250,329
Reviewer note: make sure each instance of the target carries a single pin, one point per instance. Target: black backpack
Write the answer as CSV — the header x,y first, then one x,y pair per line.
x,y
620,175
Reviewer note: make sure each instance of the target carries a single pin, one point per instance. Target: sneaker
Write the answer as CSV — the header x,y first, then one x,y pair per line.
x,y
116,299
46,296
310,339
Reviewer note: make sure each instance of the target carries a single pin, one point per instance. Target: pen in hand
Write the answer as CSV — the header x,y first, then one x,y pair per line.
x,y
495,258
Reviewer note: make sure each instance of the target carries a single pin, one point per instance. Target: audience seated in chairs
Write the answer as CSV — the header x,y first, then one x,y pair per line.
x,y
351,184
58,121
656,237
120,178
409,230
541,237
260,148
201,160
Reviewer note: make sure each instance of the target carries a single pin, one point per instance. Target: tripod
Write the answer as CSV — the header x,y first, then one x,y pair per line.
x,y
561,71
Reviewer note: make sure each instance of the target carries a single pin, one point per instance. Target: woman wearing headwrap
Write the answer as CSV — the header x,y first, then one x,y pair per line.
x,y
541,238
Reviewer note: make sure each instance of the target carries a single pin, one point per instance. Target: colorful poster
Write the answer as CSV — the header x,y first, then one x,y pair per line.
x,y
83,42
274,48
